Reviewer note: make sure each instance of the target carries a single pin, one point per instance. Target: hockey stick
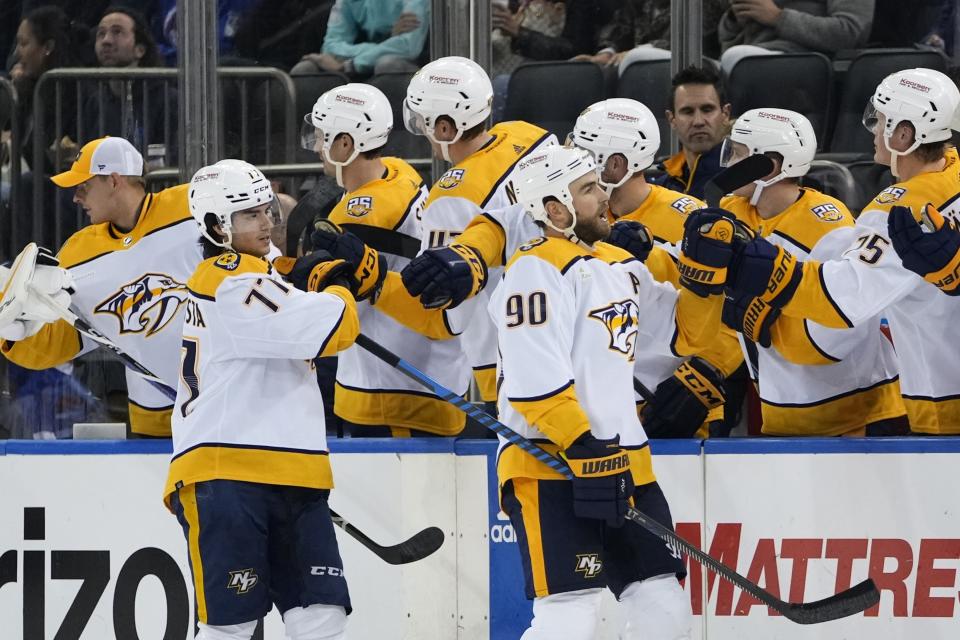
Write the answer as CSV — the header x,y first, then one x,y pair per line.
x,y
415,548
843,604
735,176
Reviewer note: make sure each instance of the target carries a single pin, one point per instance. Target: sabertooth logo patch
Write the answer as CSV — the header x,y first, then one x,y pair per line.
x,y
147,304
890,195
828,212
589,564
243,580
620,319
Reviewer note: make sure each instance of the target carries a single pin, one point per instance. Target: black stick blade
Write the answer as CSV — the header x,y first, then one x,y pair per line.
x,y
733,177
846,603
416,548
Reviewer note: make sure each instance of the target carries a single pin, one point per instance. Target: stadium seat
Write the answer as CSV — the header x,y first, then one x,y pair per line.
x,y
402,143
552,94
801,82
649,83
308,89
871,178
833,179
858,84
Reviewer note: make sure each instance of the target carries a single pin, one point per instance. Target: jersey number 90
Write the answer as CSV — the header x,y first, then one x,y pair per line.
x,y
531,310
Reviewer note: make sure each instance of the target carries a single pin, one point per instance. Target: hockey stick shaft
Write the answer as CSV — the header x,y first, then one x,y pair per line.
x,y
843,604
416,548
735,176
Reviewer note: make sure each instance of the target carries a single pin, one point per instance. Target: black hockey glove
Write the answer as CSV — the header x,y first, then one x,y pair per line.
x,y
446,276
706,250
681,402
602,483
632,236
932,253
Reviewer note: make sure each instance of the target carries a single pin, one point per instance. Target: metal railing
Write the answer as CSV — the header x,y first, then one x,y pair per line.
x,y
258,121
10,232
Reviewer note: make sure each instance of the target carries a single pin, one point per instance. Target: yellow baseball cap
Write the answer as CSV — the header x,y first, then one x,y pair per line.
x,y
102,157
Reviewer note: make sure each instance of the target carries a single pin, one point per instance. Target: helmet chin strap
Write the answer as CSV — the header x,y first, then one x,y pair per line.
x,y
763,184
445,144
608,187
341,165
894,154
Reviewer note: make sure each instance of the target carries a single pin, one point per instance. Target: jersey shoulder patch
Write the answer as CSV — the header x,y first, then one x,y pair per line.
x,y
556,251
211,273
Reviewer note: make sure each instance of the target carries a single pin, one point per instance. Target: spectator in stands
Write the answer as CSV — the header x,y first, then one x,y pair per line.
x,y
765,27
371,36
582,31
46,39
143,111
640,31
946,30
701,118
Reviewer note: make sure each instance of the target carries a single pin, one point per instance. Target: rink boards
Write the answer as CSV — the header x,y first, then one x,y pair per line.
x,y
85,542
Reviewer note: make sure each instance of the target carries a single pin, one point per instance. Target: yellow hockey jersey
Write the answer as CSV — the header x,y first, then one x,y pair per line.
x,y
131,287
478,184
369,391
248,405
857,382
569,323
868,280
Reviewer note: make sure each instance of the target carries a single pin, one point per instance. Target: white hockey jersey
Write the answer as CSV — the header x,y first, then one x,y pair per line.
x,y
248,404
131,287
857,382
480,183
868,280
368,390
569,322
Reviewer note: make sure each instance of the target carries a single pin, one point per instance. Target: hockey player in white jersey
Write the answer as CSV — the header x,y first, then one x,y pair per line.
x,y
852,387
250,473
348,127
128,271
911,115
570,314
449,101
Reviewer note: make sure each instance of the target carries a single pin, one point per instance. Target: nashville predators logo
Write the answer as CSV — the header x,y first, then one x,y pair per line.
x,y
685,205
827,212
359,206
243,580
620,319
147,304
589,564
228,261
451,178
890,195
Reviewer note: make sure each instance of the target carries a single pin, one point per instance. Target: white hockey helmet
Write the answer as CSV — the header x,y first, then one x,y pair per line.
x,y
219,190
925,98
358,110
547,173
769,130
618,125
455,87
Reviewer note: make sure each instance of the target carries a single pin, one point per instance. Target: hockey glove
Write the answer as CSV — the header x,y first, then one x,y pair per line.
x,y
931,251
751,316
316,271
446,276
706,250
370,268
33,282
632,236
602,483
760,268
681,402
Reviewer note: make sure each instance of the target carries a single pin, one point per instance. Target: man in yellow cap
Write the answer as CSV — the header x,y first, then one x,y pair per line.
x,y
129,270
